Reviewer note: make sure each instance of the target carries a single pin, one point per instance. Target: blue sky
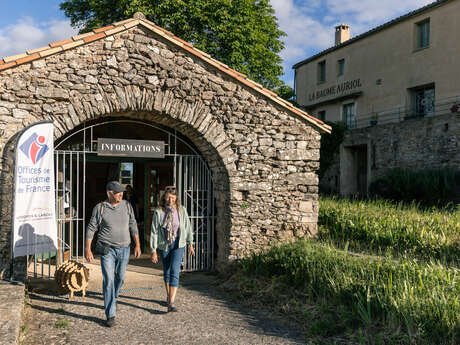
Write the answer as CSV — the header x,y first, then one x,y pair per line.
x,y
309,24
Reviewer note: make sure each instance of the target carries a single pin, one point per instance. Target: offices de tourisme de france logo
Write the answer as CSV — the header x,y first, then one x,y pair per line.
x,y
34,147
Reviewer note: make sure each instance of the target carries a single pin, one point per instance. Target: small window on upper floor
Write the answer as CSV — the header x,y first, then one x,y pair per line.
x,y
423,34
322,71
340,67
322,115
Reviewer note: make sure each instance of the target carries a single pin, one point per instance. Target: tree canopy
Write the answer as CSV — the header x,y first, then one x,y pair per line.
x,y
243,34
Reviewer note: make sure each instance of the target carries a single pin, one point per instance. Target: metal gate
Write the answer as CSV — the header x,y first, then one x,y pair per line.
x,y
195,190
191,175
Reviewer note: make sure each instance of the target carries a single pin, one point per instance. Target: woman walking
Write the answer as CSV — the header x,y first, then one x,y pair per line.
x,y
171,231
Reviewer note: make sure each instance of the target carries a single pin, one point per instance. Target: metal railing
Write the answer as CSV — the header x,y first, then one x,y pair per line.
x,y
395,115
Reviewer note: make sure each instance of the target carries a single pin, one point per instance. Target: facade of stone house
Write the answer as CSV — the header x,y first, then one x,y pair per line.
x,y
396,88
244,160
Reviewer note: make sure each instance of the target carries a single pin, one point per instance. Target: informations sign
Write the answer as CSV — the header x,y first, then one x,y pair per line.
x,y
34,219
130,148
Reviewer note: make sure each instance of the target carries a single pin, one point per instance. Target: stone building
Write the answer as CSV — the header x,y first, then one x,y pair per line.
x,y
396,88
244,160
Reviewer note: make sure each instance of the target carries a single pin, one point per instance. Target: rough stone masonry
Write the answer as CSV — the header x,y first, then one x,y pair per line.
x,y
263,157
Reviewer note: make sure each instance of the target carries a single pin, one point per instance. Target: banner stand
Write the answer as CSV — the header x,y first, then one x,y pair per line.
x,y
33,226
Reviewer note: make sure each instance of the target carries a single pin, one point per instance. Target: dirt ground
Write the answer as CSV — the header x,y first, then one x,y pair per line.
x,y
206,315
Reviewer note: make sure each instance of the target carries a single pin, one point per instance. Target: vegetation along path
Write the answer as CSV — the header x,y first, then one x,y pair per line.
x,y
205,315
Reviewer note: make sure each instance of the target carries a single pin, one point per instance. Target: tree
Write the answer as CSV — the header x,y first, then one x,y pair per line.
x,y
243,34
287,93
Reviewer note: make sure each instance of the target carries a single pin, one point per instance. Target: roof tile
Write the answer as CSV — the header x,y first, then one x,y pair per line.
x,y
73,44
38,50
7,65
104,29
50,51
14,57
115,30
60,43
131,23
94,37
28,58
79,37
123,21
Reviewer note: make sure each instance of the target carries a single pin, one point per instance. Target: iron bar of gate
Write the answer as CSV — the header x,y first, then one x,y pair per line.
x,y
198,211
195,214
70,223
201,220
202,215
78,203
212,223
84,190
194,176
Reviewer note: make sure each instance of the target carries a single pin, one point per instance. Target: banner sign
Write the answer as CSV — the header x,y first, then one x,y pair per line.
x,y
130,148
34,219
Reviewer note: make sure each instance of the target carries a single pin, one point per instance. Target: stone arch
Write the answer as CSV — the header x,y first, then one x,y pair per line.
x,y
194,121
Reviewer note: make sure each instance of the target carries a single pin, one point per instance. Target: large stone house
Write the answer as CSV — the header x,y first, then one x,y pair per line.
x,y
243,159
396,88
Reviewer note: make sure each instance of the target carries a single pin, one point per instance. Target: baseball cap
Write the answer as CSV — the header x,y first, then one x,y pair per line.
x,y
115,186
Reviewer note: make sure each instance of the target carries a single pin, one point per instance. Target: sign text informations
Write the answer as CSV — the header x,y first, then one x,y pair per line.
x,y
130,148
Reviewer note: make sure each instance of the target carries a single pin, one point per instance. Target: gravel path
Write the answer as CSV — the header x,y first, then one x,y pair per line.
x,y
205,316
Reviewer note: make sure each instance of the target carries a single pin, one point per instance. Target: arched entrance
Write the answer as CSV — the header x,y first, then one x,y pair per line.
x,y
82,173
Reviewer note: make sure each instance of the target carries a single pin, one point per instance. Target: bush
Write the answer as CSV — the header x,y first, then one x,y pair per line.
x,y
428,187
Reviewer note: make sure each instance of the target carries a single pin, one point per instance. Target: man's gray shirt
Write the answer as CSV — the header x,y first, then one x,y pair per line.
x,y
116,224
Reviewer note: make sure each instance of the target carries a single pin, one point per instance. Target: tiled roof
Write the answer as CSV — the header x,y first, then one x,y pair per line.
x,y
372,31
139,19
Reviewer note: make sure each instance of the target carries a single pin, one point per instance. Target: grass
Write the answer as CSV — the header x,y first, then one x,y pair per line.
x,y
382,228
378,274
357,292
62,323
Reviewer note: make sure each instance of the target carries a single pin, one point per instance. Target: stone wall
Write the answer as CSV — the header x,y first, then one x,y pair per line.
x,y
262,157
431,142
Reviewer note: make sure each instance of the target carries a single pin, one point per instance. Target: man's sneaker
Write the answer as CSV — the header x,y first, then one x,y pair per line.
x,y
172,308
110,322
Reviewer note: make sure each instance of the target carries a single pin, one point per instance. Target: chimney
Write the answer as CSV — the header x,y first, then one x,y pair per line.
x,y
342,34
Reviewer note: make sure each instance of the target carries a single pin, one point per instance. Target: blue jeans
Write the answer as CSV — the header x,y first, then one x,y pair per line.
x,y
113,267
171,259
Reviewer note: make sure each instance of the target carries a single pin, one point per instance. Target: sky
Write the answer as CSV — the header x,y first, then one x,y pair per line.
x,y
308,24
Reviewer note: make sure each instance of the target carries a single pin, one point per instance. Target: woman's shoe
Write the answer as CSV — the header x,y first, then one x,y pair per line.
x,y
172,308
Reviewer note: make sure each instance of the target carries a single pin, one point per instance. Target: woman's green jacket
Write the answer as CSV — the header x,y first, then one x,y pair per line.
x,y
157,238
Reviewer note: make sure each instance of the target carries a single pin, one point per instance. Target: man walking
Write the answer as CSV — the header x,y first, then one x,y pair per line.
x,y
115,220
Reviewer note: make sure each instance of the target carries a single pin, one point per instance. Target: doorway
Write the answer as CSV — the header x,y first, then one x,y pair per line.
x,y
82,175
354,171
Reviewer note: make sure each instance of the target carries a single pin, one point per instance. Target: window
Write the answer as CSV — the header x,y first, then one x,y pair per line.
x,y
424,100
322,115
126,173
423,34
322,71
340,67
349,115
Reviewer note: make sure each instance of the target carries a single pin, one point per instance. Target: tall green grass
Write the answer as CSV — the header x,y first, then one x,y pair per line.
x,y
380,227
423,299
